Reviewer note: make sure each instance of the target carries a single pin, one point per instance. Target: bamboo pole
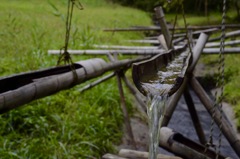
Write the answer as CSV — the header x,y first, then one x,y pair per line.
x,y
227,43
152,51
142,155
227,130
164,28
184,147
142,106
234,50
197,50
52,84
105,52
194,117
175,98
172,103
125,47
210,45
95,83
111,156
228,35
126,118
155,28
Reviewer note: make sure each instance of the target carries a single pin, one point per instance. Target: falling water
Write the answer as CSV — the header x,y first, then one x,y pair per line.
x,y
158,86
155,110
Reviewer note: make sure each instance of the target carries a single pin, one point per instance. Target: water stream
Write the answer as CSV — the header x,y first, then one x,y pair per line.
x,y
157,86
155,109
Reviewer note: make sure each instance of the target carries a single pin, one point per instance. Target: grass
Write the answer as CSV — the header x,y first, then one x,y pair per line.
x,y
69,124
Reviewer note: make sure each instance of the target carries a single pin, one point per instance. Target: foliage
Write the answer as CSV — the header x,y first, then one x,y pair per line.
x,y
68,124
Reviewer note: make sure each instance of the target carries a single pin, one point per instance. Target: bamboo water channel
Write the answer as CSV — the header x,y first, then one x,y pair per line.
x,y
161,75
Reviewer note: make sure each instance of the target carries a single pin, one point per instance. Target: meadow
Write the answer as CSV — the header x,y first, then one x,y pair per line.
x,y
71,124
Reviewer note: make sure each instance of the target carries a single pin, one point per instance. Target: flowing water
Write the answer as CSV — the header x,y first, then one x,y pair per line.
x,y
157,87
155,110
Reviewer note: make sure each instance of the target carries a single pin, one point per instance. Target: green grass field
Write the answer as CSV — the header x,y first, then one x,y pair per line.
x,y
69,124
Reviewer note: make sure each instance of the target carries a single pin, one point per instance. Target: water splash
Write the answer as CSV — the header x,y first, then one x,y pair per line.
x,y
155,110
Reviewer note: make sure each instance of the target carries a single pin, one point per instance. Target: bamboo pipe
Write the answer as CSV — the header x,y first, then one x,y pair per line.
x,y
156,28
184,147
111,156
52,84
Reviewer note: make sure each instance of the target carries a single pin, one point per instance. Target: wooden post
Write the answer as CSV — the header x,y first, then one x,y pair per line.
x,y
227,130
194,116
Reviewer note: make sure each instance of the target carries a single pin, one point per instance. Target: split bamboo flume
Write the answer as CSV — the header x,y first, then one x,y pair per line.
x,y
21,89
